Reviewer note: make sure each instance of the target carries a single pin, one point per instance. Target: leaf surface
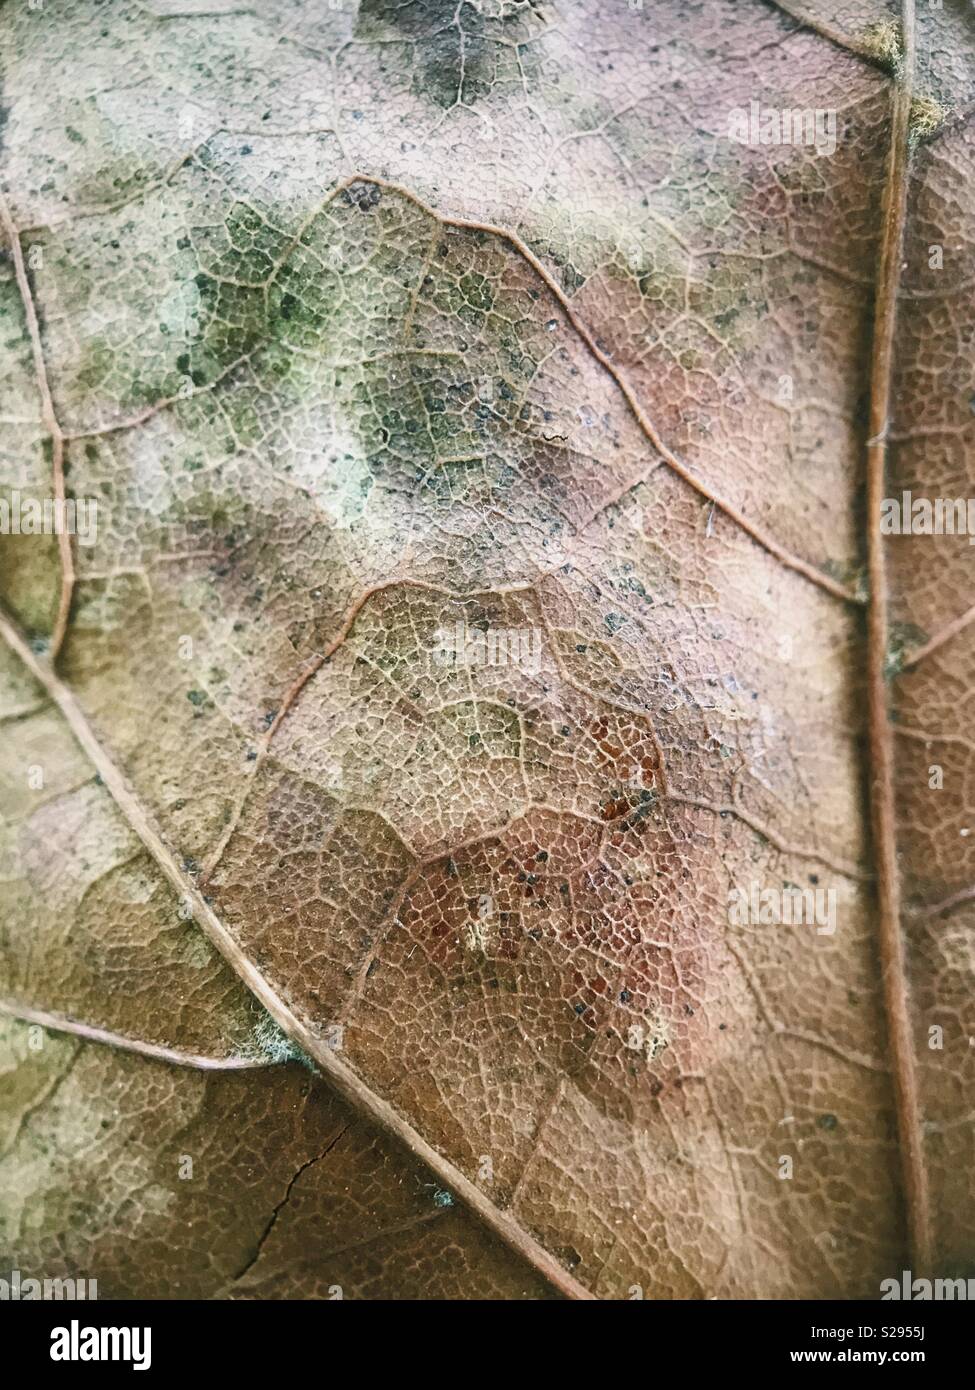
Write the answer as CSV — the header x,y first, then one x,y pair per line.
x,y
369,325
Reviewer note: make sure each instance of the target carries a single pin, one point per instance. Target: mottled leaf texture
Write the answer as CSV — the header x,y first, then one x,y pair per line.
x,y
333,966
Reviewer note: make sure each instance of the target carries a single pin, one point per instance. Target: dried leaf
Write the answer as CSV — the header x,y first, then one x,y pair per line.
x,y
488,606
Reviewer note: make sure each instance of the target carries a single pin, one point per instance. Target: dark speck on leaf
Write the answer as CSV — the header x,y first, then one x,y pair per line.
x,y
363,195
828,1122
